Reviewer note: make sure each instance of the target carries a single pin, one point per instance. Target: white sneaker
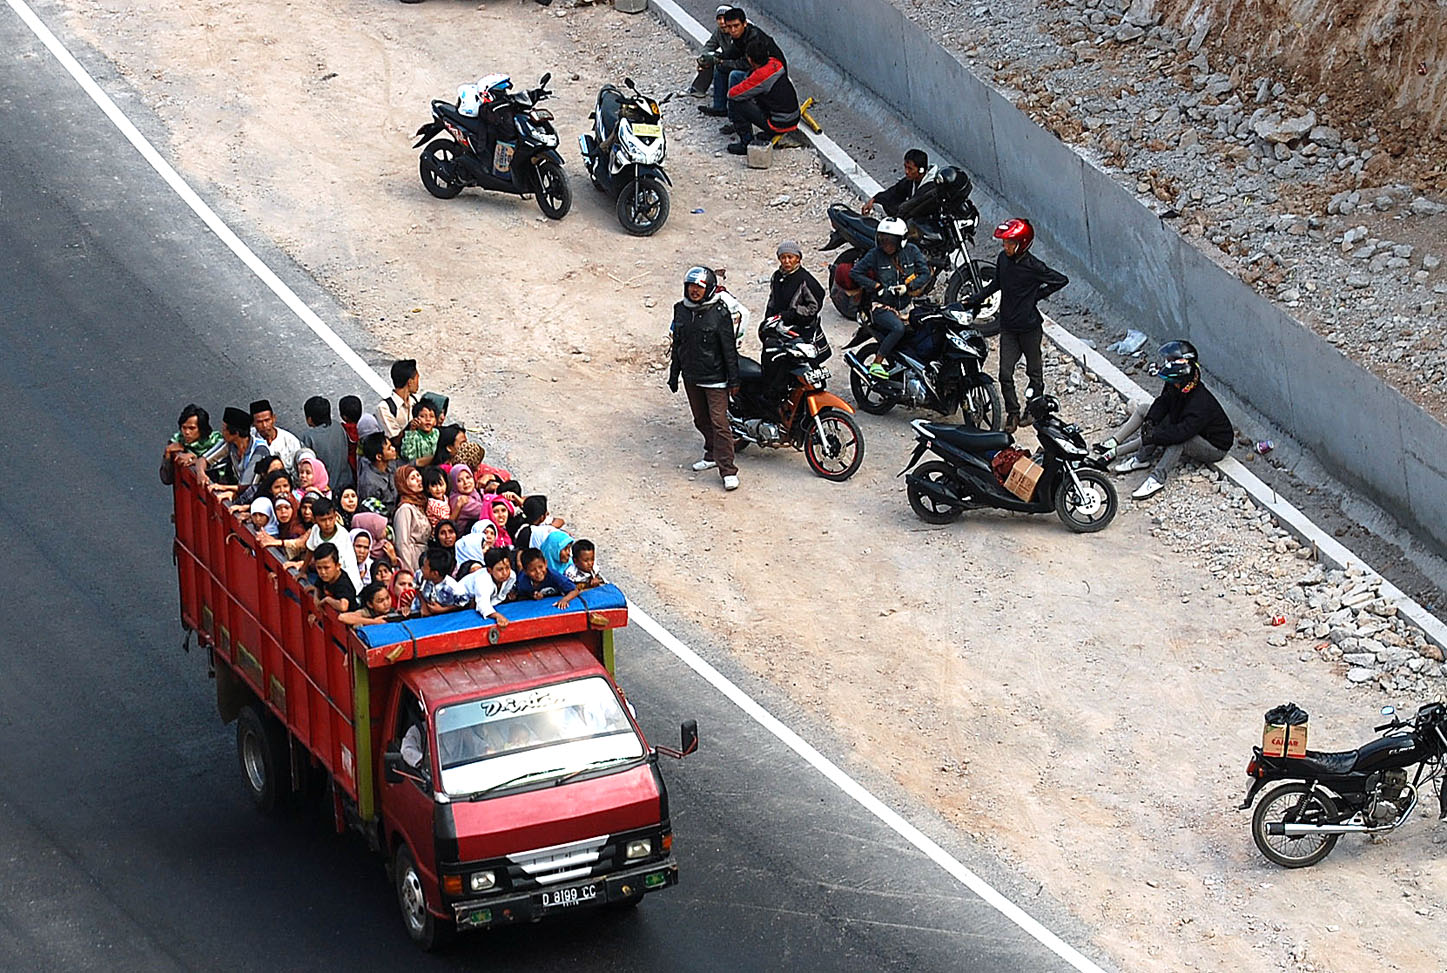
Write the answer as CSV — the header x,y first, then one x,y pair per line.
x,y
1148,489
1129,465
731,483
703,464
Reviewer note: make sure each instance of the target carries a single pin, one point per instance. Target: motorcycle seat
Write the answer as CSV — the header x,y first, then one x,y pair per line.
x,y
857,223
610,106
969,439
750,370
1316,763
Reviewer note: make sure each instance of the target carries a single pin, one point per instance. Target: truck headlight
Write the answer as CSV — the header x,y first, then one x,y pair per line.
x,y
481,881
640,848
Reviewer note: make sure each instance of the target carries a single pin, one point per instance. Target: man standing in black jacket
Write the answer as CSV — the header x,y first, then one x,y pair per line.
x,y
1023,281
1184,420
706,355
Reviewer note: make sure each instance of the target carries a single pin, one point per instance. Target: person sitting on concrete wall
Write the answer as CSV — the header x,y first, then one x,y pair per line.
x,y
765,100
708,57
1185,419
916,163
732,64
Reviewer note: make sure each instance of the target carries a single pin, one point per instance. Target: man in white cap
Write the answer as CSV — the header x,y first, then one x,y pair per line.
x,y
708,57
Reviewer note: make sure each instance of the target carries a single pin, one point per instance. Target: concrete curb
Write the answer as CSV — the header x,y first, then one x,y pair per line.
x,y
1327,547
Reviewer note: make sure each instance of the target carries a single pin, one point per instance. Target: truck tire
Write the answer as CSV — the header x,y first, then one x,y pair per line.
x,y
426,930
261,749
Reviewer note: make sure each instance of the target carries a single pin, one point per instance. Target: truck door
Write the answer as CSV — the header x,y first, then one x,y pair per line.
x,y
407,803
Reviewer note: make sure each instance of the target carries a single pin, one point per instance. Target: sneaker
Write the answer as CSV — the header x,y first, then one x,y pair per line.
x,y
879,370
1148,489
1105,450
738,148
731,483
704,464
1130,464
713,112
698,92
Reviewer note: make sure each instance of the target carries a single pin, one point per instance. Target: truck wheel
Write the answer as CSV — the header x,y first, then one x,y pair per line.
x,y
261,747
426,930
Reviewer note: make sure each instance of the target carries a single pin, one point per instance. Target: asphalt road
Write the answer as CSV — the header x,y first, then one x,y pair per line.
x,y
127,839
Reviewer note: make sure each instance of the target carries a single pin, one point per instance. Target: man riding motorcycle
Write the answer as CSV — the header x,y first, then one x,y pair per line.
x,y
892,274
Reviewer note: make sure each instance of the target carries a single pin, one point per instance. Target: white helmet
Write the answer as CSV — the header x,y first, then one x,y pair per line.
x,y
891,226
468,100
492,85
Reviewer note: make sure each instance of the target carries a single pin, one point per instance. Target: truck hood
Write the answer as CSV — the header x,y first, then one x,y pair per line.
x,y
556,815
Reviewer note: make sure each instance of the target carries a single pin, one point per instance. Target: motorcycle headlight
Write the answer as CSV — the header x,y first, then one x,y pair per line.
x,y
481,881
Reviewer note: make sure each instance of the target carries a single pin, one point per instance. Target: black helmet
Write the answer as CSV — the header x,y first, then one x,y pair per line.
x,y
1179,350
1180,371
1041,405
704,276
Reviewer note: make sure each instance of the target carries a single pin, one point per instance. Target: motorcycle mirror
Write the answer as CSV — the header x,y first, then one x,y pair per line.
x,y
1389,710
543,81
628,82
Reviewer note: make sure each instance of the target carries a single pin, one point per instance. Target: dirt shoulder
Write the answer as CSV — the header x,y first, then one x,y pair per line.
x,y
1083,705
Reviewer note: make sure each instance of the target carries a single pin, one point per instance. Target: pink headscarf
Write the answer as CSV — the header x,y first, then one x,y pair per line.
x,y
321,483
471,510
373,524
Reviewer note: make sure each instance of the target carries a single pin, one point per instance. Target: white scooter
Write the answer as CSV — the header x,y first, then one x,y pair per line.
x,y
624,156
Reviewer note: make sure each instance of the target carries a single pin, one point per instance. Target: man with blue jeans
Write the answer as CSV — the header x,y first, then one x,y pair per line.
x,y
732,65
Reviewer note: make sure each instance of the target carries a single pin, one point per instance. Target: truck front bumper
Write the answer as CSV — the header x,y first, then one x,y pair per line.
x,y
537,903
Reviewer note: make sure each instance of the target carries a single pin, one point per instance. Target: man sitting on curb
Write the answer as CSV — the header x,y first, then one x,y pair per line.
x,y
1185,419
731,65
766,99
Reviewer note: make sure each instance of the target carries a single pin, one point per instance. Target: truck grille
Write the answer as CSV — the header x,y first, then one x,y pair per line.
x,y
559,863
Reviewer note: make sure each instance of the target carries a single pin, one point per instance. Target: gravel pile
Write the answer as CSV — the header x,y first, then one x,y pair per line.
x,y
1331,217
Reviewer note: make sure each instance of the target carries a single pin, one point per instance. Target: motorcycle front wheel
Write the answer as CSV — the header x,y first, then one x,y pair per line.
x,y
843,303
1092,507
833,444
928,507
862,389
438,168
554,196
1293,803
962,285
643,206
982,406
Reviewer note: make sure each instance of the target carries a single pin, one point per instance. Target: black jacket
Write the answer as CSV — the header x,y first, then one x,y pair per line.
x,y
1023,281
1177,416
704,345
798,299
731,52
891,199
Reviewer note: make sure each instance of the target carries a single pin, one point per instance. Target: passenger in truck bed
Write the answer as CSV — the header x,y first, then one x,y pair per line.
x,y
439,593
376,607
540,581
334,588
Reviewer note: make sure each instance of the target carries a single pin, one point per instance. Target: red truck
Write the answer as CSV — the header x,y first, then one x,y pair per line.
x,y
501,771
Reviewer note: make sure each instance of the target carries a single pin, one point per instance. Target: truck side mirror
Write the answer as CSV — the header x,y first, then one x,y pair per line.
x,y
392,764
688,734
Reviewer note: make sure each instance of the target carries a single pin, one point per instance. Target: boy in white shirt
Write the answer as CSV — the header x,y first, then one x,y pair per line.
x,y
491,586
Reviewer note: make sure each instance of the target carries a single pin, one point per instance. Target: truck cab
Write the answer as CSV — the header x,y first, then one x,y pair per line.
x,y
517,784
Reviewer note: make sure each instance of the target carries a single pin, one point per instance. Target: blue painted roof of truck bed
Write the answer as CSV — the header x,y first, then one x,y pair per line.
x,y
379,636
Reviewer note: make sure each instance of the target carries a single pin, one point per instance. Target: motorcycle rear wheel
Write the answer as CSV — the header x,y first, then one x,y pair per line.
x,y
982,406
1287,800
843,303
931,509
553,194
438,168
864,396
836,454
643,206
1086,515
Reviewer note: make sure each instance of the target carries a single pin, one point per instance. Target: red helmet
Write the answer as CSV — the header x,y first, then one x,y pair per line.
x,y
1018,230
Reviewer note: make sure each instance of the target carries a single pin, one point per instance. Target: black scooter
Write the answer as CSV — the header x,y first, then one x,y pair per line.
x,y
964,478
510,147
1362,791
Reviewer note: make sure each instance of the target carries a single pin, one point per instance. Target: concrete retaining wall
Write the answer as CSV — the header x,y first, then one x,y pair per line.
x,y
1365,432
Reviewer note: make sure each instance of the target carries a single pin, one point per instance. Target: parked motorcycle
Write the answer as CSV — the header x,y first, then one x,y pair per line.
x,y
501,141
1364,791
624,156
942,222
938,365
964,476
783,401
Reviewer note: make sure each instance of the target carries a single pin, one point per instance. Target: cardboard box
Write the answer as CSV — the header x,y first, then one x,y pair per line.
x,y
1279,740
1023,477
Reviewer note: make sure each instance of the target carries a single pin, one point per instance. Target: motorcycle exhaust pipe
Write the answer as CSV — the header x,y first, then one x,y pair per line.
x,y
1281,829
855,365
934,489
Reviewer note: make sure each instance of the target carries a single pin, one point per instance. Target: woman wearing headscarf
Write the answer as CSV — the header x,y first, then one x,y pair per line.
x,y
361,541
311,475
465,501
263,517
558,549
410,528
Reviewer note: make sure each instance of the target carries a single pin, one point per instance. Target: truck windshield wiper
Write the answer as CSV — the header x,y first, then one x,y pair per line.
x,y
476,795
606,761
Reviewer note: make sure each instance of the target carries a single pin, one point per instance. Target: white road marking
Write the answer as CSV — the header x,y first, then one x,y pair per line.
x,y
693,660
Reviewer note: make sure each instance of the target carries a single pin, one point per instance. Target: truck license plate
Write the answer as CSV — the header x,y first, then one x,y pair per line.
x,y
573,895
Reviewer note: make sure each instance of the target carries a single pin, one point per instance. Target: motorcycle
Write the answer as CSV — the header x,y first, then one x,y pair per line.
x,y
1364,791
942,222
624,156
938,365
965,476
783,401
514,152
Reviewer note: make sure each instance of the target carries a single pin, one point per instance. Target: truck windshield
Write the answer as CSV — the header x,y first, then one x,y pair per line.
x,y
533,735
